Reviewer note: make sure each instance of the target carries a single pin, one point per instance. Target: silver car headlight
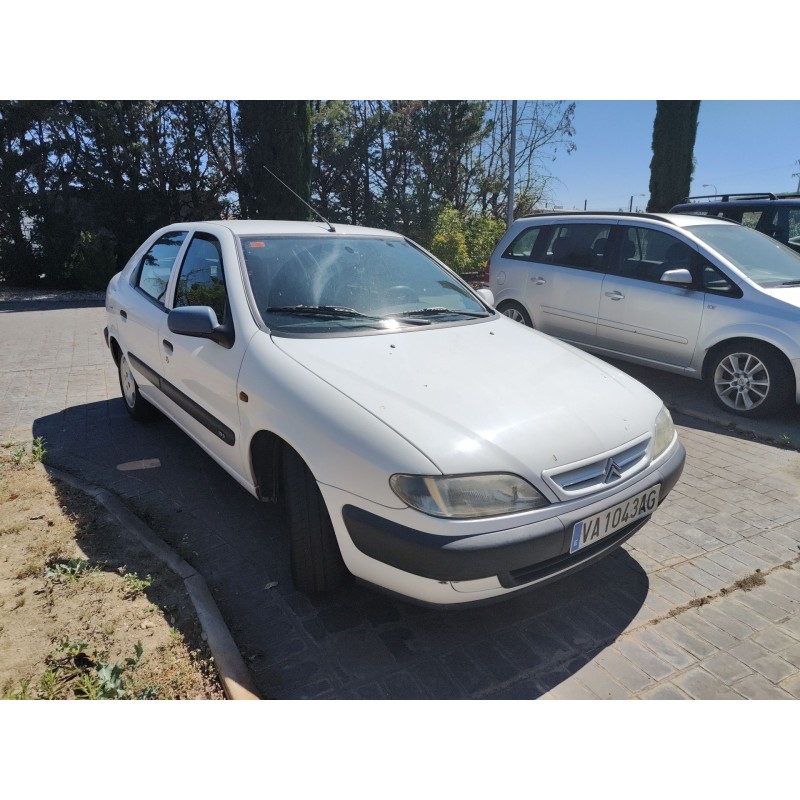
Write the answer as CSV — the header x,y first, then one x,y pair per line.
x,y
467,496
665,432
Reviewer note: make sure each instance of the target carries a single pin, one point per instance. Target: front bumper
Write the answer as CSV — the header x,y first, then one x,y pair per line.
x,y
515,557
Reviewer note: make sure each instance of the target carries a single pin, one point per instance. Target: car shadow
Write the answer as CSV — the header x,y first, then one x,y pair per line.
x,y
356,642
691,405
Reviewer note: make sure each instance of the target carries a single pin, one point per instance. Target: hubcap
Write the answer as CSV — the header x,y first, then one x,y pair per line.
x,y
741,381
513,313
128,383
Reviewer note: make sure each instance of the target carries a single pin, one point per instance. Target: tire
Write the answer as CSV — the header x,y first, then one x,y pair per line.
x,y
316,561
750,379
515,311
135,404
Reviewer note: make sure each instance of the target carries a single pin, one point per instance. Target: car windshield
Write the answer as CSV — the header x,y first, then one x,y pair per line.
x,y
337,283
762,259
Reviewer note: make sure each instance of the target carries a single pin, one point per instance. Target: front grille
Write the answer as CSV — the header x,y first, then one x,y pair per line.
x,y
600,473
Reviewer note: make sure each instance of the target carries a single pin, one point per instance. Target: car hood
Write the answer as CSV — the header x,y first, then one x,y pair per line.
x,y
789,294
491,396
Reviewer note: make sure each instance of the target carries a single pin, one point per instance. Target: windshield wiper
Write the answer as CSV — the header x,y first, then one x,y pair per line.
x,y
439,310
322,311
791,283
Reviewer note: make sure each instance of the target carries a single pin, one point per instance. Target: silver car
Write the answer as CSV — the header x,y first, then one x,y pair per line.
x,y
697,296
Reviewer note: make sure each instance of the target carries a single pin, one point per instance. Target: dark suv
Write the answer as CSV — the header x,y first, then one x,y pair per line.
x,y
777,215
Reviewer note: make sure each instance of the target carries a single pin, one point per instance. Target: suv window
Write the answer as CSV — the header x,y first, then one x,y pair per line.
x,y
647,254
156,265
522,246
201,281
582,246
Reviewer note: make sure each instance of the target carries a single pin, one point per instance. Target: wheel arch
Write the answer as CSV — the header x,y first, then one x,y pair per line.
x,y
737,341
116,350
266,449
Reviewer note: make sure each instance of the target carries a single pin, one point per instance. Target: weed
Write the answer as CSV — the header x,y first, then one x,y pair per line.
x,y
38,451
49,685
24,692
134,585
68,570
91,677
19,603
19,454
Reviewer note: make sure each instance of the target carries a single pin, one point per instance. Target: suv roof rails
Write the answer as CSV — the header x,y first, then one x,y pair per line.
x,y
726,197
639,214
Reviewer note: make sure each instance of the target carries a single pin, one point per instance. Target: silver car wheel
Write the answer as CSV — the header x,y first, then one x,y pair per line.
x,y
741,381
513,313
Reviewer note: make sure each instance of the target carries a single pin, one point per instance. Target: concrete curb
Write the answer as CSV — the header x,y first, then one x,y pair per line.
x,y
233,673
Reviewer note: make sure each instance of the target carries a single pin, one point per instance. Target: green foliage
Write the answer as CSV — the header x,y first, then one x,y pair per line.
x,y
465,241
92,263
70,570
275,134
134,585
450,241
38,451
672,165
18,456
75,673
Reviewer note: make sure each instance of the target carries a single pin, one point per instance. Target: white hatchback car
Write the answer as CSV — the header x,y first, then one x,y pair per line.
x,y
698,296
421,441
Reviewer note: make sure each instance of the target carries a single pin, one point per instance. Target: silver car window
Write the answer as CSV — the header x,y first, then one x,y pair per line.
x,y
765,261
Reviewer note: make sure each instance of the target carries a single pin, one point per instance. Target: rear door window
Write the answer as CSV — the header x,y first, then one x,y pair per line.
x,y
152,277
581,246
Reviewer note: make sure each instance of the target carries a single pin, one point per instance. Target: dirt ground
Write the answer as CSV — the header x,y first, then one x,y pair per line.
x,y
85,612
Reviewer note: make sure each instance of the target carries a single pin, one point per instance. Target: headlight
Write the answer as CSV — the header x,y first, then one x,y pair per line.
x,y
467,496
665,432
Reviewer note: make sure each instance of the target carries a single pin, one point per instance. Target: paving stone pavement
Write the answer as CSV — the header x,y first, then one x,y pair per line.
x,y
660,619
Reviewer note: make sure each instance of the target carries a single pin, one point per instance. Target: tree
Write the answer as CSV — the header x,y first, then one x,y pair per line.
x,y
544,127
672,165
275,134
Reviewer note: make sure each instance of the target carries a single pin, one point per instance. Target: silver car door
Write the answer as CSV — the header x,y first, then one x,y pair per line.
x,y
566,278
640,315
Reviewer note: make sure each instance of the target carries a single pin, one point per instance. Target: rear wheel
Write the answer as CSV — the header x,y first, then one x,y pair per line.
x,y
316,561
136,405
749,378
515,311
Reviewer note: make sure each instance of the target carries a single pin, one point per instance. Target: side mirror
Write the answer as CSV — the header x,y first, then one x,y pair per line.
x,y
200,322
680,277
487,296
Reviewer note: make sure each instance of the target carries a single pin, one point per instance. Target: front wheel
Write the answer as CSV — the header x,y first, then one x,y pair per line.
x,y
316,561
515,311
749,379
135,404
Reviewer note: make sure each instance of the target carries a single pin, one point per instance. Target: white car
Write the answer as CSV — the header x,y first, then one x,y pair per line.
x,y
422,441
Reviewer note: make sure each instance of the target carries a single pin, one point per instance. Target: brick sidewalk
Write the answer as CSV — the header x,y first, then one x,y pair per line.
x,y
660,618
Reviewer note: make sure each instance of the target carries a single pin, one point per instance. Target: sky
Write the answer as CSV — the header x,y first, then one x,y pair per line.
x,y
741,146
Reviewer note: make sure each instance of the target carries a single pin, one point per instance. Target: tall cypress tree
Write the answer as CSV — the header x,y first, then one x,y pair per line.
x,y
275,134
674,132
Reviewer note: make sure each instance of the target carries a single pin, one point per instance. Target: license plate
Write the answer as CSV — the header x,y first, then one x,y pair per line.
x,y
592,529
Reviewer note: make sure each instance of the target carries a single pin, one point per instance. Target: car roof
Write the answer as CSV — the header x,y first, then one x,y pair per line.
x,y
674,220
273,227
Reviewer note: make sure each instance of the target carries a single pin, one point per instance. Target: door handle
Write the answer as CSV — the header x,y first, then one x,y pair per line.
x,y
167,346
615,295
123,313
538,280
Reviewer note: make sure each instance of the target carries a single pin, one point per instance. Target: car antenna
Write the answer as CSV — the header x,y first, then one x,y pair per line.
x,y
308,205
